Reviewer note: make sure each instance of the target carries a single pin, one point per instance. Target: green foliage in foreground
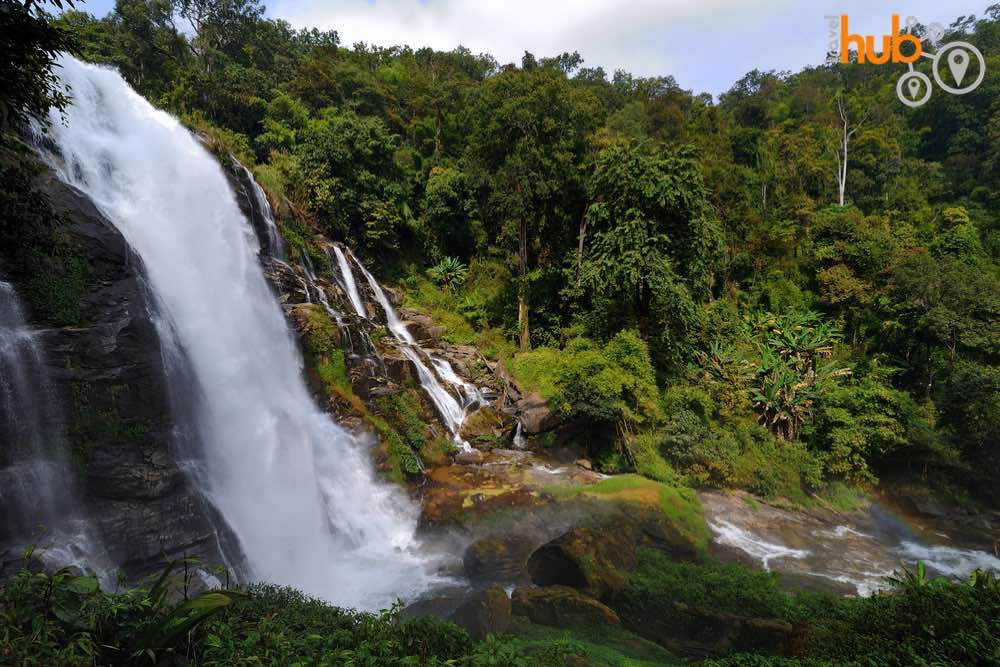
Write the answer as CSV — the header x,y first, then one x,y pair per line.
x,y
922,621
65,619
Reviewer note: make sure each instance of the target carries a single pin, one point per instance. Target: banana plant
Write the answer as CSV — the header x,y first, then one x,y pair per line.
x,y
787,374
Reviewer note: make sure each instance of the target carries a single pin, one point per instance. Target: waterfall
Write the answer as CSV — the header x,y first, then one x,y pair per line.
x,y
297,490
452,412
273,246
38,499
349,285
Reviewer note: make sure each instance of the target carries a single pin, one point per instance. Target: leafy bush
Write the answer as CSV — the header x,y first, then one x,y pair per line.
x,y
861,423
65,619
923,621
276,625
614,386
449,272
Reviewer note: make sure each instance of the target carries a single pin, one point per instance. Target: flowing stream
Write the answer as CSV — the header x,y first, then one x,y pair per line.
x,y
297,490
38,499
850,552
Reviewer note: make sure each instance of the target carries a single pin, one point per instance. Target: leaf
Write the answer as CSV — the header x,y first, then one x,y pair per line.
x,y
83,585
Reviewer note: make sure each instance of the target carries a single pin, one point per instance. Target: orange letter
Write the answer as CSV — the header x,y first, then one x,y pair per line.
x,y
883,57
846,40
897,42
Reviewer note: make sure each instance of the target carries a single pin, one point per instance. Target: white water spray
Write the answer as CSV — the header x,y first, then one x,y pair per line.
x,y
39,504
762,550
297,490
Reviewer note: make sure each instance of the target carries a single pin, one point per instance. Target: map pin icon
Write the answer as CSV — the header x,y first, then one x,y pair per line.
x,y
958,62
914,86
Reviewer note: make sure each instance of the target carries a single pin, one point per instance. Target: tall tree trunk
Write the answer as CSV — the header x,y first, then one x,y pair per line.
x,y
522,292
438,122
579,247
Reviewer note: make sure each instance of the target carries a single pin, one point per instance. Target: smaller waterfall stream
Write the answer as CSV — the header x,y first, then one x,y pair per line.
x,y
452,412
273,245
38,500
856,554
350,286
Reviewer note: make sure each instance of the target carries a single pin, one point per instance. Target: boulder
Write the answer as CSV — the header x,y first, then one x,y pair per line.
x,y
469,457
560,606
536,415
484,423
488,612
595,561
399,369
495,559
423,327
394,295
745,634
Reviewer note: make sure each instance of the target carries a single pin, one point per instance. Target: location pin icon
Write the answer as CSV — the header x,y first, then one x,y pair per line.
x,y
958,62
914,86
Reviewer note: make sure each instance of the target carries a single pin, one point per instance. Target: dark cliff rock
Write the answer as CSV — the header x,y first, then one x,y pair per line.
x,y
109,371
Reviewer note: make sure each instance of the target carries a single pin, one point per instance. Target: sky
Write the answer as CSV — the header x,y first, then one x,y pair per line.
x,y
706,45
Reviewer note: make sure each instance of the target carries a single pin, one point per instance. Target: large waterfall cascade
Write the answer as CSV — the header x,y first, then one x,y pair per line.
x,y
39,504
297,490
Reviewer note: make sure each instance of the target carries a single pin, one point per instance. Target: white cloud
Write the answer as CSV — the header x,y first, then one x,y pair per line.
x,y
705,44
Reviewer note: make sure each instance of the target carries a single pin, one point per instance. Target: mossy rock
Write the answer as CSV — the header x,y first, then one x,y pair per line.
x,y
488,612
497,558
595,561
669,517
484,425
561,606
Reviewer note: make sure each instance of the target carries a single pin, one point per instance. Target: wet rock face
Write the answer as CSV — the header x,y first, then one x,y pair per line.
x,y
487,612
421,326
561,606
497,559
110,372
536,415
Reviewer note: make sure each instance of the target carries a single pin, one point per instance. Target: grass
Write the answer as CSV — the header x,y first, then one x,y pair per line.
x,y
442,306
538,371
464,311
844,497
601,646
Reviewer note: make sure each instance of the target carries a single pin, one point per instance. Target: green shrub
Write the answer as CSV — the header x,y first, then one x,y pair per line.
x,y
862,423
923,621
276,625
613,385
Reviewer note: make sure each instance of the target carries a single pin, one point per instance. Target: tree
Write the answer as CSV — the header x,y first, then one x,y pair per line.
x,y
849,120
351,179
528,138
30,44
655,241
